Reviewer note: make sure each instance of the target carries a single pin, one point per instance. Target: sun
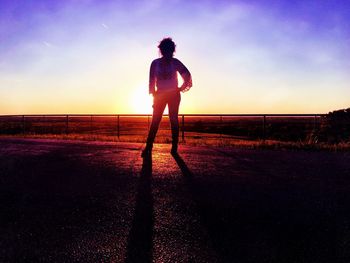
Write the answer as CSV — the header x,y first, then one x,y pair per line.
x,y
141,101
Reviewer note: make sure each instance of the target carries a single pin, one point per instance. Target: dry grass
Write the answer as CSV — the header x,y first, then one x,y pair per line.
x,y
197,141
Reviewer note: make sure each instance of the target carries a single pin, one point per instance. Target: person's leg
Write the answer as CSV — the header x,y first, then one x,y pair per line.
x,y
158,108
173,105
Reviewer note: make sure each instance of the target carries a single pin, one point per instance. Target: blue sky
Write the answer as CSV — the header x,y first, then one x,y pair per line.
x,y
84,56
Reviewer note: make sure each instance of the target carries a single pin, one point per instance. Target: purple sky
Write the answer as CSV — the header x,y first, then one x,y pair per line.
x,y
245,56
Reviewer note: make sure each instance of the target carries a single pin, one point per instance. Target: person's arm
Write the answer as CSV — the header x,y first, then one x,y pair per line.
x,y
185,74
152,79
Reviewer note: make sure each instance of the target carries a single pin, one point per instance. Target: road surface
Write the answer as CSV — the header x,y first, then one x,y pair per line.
x,y
78,201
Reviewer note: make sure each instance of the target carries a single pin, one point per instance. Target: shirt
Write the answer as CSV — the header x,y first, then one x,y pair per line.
x,y
163,75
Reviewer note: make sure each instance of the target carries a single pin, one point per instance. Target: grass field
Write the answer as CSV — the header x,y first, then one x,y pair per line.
x,y
279,132
250,127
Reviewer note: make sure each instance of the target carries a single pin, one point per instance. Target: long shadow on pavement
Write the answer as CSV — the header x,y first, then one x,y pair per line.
x,y
140,244
208,221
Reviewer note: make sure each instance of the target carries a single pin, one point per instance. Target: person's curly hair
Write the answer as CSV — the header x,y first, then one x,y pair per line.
x,y
167,46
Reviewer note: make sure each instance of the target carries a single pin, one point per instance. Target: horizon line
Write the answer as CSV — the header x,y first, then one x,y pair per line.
x,y
150,114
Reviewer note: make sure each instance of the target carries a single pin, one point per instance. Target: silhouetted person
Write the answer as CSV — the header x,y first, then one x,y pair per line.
x,y
163,85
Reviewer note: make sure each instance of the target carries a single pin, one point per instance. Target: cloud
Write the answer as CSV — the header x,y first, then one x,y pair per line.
x,y
47,44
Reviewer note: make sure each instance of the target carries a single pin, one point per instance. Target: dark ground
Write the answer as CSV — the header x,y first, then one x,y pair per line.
x,y
73,201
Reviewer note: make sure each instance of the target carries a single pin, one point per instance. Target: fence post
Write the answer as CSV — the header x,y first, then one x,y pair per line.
x,y
67,124
23,125
90,125
264,128
118,128
220,127
315,122
44,120
183,127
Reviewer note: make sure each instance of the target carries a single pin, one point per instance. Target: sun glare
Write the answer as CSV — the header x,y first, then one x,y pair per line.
x,y
141,101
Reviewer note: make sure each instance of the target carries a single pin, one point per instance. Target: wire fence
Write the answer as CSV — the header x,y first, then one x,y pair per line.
x,y
286,127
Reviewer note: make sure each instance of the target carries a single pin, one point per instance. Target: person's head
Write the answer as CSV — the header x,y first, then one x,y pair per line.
x,y
167,47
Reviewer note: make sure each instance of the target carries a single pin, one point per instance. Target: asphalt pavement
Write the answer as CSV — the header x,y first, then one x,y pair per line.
x,y
80,201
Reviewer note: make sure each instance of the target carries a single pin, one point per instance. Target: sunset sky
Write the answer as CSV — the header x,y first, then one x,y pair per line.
x,y
85,56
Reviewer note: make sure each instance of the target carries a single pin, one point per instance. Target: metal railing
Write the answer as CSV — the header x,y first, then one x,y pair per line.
x,y
67,117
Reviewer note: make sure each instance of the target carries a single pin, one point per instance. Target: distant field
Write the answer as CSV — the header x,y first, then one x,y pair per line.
x,y
219,130
216,129
134,128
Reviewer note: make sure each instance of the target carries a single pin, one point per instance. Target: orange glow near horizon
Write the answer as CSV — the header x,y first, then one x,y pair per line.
x,y
141,101
138,101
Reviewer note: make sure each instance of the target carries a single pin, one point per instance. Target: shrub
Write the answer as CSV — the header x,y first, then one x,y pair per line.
x,y
335,127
